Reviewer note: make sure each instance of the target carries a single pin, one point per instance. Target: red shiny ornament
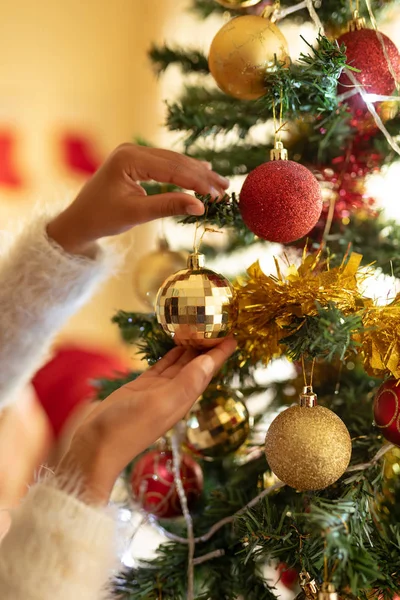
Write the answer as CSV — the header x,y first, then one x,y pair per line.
x,y
153,484
364,51
387,410
280,201
288,577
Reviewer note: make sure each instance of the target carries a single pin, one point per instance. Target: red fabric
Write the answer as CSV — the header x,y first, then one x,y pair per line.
x,y
67,381
9,174
80,154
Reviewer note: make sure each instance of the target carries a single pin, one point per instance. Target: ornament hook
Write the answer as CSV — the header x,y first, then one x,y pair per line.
x,y
309,586
308,398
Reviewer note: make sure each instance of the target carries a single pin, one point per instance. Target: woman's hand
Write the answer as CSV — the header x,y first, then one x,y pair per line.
x,y
135,416
113,201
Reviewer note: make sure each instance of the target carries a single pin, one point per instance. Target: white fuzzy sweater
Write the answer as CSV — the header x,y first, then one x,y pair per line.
x,y
57,546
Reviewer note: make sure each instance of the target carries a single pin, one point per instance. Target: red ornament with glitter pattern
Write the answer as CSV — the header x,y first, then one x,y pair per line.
x,y
153,484
280,201
364,51
387,410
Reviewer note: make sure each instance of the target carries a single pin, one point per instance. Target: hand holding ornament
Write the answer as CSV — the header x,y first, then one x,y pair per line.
x,y
135,416
113,201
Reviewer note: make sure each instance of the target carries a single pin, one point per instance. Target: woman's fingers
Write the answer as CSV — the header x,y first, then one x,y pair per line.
x,y
143,164
193,378
148,208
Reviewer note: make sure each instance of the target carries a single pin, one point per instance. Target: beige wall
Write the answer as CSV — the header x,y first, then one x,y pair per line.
x,y
79,65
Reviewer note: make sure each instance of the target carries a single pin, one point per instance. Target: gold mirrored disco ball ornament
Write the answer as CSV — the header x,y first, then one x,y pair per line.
x,y
194,306
218,424
243,52
308,447
153,268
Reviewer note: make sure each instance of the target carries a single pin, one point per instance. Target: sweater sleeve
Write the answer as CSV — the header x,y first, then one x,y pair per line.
x,y
41,286
57,547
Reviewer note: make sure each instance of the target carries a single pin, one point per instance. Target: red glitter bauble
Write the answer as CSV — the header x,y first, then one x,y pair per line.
x,y
387,410
288,577
280,201
364,52
153,484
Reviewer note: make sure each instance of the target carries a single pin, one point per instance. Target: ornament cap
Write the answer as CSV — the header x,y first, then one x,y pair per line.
x,y
196,261
356,23
328,592
308,398
278,152
309,586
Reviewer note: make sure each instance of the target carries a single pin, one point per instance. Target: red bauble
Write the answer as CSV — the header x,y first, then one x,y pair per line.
x,y
288,577
280,201
387,410
364,52
153,484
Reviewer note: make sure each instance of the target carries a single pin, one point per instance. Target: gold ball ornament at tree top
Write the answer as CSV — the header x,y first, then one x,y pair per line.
x,y
194,306
218,424
242,53
308,447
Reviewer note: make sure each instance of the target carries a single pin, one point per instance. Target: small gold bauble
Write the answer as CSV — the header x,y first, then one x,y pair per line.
x,y
243,52
218,424
153,268
194,305
308,448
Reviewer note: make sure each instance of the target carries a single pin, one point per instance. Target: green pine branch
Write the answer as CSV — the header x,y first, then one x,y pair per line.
x,y
144,331
307,87
327,335
190,61
376,239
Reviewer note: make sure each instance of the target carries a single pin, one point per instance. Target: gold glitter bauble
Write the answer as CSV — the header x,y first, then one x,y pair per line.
x,y
218,423
242,53
153,268
194,305
308,448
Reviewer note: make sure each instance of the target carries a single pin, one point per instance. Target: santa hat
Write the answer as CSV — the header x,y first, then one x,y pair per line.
x,y
68,379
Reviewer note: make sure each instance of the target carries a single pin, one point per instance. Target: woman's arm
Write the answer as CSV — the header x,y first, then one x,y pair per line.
x,y
41,286
54,267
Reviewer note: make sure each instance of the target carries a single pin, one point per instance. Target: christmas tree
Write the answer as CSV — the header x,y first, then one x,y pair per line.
x,y
320,496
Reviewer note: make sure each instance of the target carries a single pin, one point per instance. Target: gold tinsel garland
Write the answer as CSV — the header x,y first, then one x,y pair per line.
x,y
381,339
267,305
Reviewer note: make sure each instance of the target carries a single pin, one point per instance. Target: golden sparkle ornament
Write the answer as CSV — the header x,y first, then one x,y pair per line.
x,y
194,305
308,447
153,268
243,52
218,424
